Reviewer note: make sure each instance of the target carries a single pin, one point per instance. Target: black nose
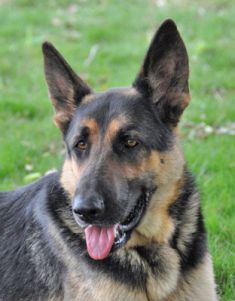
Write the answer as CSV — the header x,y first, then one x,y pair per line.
x,y
89,208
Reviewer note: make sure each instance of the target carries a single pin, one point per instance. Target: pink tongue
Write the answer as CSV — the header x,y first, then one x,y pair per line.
x,y
99,241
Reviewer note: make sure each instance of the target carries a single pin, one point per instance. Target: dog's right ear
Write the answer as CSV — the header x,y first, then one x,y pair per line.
x,y
66,88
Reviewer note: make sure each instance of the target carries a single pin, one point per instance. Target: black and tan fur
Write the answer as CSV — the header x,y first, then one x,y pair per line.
x,y
119,143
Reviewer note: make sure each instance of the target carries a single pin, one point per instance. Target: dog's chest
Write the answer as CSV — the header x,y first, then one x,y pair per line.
x,y
123,277
94,286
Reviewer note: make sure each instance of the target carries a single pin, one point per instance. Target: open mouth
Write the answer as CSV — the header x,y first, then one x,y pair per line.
x,y
133,219
101,241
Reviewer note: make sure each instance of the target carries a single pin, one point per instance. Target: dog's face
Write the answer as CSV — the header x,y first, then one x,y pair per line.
x,y
122,146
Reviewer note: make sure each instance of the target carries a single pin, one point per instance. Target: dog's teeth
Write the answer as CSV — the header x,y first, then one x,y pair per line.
x,y
118,232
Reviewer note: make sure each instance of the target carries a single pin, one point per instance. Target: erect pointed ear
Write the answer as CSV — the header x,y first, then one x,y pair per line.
x,y
66,89
164,75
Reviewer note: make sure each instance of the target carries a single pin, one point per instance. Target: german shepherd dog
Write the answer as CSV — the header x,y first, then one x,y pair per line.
x,y
122,220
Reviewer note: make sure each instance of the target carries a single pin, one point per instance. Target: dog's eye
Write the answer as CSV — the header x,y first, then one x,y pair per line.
x,y
82,145
130,143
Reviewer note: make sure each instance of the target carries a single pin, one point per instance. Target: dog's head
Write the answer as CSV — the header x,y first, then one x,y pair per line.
x,y
122,150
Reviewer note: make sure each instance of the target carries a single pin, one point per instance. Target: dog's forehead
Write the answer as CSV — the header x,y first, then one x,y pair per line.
x,y
107,106
119,110
112,94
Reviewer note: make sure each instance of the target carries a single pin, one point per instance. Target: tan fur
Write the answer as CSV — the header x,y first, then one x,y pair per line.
x,y
106,290
185,100
61,118
157,225
197,284
113,127
72,171
70,175
189,221
63,114
166,282
161,84
93,128
130,92
88,98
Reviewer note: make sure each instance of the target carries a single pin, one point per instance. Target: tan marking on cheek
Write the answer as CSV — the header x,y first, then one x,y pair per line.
x,y
114,126
132,171
71,173
167,166
137,239
152,163
72,170
129,171
157,225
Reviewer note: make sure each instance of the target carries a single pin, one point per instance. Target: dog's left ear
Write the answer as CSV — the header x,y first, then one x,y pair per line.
x,y
164,75
65,87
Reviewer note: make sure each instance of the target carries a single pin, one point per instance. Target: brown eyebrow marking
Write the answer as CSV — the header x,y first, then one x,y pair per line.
x,y
91,123
115,125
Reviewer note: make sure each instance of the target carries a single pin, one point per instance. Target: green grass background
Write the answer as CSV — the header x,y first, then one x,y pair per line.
x,y
30,144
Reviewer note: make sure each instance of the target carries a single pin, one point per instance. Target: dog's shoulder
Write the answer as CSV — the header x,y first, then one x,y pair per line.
x,y
19,208
27,193
27,269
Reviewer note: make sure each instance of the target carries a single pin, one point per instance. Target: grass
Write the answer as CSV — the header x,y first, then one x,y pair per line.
x,y
29,143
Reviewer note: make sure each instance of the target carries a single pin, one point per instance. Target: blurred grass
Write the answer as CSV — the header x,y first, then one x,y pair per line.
x,y
120,31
